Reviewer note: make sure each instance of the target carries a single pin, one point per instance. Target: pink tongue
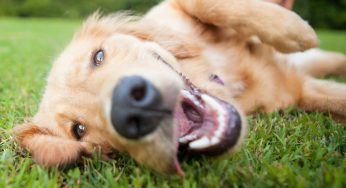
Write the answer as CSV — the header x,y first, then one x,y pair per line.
x,y
178,168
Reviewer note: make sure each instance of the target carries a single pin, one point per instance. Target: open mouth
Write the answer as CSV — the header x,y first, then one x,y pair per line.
x,y
206,125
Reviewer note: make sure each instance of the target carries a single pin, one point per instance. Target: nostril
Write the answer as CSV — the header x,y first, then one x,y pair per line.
x,y
138,92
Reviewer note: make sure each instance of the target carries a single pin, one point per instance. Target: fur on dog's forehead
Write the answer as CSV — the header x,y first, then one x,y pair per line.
x,y
96,30
103,26
96,25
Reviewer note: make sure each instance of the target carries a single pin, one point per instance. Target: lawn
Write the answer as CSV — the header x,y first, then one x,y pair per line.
x,y
283,149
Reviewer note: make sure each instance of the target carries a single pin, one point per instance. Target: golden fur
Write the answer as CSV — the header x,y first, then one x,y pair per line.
x,y
246,43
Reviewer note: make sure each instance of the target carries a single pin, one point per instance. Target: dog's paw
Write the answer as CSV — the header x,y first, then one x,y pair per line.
x,y
292,34
297,36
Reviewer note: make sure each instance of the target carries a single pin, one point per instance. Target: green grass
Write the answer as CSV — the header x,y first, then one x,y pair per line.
x,y
283,149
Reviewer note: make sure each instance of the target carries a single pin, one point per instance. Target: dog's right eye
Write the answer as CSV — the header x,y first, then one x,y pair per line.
x,y
78,130
98,58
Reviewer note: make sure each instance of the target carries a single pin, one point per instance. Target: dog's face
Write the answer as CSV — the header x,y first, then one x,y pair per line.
x,y
115,91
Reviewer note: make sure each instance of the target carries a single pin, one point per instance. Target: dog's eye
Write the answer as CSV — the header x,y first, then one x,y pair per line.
x,y
98,58
78,130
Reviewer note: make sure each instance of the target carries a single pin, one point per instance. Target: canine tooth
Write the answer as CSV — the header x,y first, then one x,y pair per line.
x,y
200,143
187,138
214,140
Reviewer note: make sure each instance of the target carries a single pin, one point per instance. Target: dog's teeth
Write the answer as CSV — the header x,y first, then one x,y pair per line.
x,y
185,93
187,138
221,115
214,140
201,143
191,98
196,102
212,102
222,124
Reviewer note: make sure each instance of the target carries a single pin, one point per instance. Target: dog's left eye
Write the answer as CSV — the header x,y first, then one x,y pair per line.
x,y
98,58
78,130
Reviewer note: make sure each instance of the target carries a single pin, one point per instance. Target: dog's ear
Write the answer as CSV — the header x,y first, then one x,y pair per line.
x,y
47,149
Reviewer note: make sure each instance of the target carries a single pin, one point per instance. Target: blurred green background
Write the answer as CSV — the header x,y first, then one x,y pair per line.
x,y
288,148
327,14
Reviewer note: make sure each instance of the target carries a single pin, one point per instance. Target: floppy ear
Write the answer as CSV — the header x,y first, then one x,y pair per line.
x,y
47,149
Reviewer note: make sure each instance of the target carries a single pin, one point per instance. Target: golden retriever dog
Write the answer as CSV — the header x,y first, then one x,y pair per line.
x,y
181,78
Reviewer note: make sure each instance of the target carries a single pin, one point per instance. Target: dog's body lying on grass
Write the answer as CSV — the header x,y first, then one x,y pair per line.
x,y
185,74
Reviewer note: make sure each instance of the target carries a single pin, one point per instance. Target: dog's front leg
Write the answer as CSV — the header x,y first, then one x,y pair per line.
x,y
275,25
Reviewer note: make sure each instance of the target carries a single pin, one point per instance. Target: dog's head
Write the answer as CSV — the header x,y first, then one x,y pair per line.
x,y
115,89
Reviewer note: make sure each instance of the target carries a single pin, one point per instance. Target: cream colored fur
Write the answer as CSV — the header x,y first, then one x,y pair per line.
x,y
244,42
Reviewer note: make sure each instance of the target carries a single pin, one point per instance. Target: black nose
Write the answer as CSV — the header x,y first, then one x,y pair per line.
x,y
135,107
